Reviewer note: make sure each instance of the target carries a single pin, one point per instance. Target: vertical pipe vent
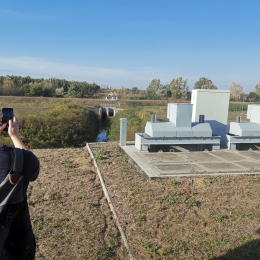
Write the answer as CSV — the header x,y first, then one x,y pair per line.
x,y
239,119
153,118
201,118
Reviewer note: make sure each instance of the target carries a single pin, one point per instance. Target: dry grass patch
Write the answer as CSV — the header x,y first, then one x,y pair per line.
x,y
198,218
70,216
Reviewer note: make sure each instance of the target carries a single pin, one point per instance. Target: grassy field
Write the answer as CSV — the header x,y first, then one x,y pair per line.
x,y
34,105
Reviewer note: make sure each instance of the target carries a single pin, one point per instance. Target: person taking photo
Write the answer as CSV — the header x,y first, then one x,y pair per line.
x,y
17,241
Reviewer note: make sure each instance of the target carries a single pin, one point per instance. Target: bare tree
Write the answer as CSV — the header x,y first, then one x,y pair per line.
x,y
257,88
236,91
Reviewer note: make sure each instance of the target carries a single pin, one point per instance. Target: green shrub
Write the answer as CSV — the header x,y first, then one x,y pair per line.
x,y
238,107
5,139
32,90
136,123
253,96
64,126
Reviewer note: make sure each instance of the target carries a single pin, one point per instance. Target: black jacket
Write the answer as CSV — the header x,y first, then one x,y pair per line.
x,y
21,227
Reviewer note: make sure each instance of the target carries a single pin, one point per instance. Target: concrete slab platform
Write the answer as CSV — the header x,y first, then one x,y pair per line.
x,y
255,155
250,165
179,168
231,156
163,157
198,164
200,157
222,167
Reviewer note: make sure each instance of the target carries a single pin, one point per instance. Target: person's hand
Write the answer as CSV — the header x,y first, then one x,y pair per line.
x,y
13,129
3,126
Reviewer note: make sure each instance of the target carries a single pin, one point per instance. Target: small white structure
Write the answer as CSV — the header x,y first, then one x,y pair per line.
x,y
203,122
253,113
180,114
244,132
178,131
214,105
179,125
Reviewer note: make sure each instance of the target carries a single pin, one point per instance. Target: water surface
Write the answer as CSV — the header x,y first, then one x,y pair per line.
x,y
102,137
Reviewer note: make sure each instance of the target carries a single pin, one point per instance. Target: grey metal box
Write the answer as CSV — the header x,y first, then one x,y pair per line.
x,y
184,132
244,129
180,114
201,130
163,129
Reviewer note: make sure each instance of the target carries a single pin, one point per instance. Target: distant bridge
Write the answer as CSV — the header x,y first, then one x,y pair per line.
x,y
107,110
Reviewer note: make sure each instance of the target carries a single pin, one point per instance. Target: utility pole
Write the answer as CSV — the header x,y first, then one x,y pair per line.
x,y
243,106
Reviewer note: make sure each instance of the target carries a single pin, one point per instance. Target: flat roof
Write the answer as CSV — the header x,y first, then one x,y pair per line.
x,y
212,90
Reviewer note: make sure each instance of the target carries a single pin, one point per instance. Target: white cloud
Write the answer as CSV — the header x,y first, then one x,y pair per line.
x,y
114,77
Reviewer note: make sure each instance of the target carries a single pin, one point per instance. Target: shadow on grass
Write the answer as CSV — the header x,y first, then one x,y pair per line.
x,y
248,251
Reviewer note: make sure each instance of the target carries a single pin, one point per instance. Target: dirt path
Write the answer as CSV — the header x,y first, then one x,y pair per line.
x,y
70,216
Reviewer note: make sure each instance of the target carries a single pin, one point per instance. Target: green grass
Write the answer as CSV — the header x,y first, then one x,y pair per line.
x,y
103,152
218,217
140,218
99,157
191,202
125,158
105,162
175,193
174,182
159,208
91,205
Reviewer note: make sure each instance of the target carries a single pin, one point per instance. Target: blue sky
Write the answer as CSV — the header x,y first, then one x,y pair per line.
x,y
128,43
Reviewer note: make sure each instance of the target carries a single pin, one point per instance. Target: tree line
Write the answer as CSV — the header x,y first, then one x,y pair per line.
x,y
237,94
52,87
178,89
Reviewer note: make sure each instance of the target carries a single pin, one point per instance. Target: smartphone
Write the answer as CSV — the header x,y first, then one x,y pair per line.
x,y
7,114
